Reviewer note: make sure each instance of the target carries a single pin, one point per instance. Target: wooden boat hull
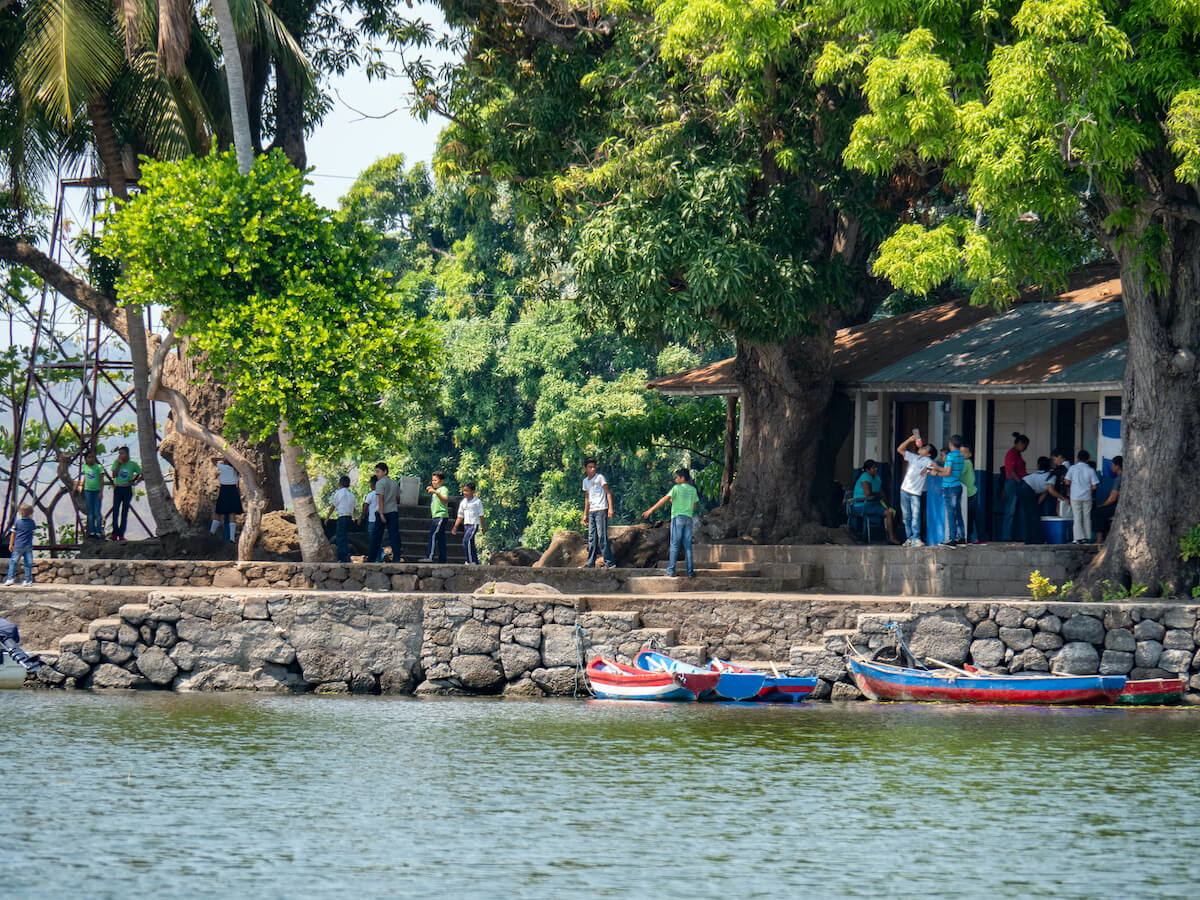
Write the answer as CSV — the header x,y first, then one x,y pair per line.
x,y
880,681
1152,692
776,688
729,685
610,680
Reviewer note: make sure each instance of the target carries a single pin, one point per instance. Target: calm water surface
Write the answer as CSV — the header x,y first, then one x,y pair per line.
x,y
245,796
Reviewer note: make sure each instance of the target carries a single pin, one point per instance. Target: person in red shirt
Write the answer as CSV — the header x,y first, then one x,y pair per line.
x,y
1014,481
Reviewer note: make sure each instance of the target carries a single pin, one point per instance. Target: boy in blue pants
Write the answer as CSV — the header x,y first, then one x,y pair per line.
x,y
683,498
439,500
470,517
343,504
20,543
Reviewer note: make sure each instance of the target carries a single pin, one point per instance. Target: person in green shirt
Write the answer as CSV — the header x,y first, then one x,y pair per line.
x,y
683,498
92,485
972,491
439,500
125,474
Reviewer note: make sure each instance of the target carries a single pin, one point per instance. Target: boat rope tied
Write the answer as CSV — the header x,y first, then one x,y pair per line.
x,y
903,645
581,643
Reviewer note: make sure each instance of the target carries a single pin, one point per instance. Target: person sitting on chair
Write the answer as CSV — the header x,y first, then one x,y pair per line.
x,y
868,499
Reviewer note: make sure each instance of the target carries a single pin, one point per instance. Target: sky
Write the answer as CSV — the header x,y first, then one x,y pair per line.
x,y
346,142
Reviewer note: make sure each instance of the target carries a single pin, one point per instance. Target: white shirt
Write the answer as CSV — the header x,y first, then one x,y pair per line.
x,y
471,511
594,488
914,478
1039,481
226,474
1081,478
343,502
372,501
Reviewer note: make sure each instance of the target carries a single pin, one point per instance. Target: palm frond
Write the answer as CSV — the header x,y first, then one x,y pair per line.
x,y
136,21
174,33
70,52
149,106
258,24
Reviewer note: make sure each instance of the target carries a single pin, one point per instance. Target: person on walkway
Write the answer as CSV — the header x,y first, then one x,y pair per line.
x,y
92,485
1081,485
951,471
913,486
342,505
683,498
1014,477
439,501
229,499
389,511
470,517
868,498
597,510
125,474
20,544
972,490
370,515
1103,515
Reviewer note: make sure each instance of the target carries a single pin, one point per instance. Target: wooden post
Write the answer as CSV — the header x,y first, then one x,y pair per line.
x,y
731,438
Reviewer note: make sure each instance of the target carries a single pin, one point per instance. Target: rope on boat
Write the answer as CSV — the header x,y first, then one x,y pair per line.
x,y
581,643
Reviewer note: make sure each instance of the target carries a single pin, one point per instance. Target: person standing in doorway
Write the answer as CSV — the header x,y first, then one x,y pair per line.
x,y
683,499
342,505
951,471
370,515
470,517
913,486
439,501
92,485
1081,486
229,499
125,474
389,510
597,510
1014,478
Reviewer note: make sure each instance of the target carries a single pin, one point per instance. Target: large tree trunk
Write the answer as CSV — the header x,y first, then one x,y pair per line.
x,y
1161,420
785,391
314,546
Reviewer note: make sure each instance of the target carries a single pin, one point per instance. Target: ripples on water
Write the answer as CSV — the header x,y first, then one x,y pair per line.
x,y
232,796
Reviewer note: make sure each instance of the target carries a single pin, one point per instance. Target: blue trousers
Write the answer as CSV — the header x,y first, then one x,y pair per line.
x,y
342,538
437,539
372,527
952,496
95,519
681,533
27,556
910,507
391,521
469,544
598,537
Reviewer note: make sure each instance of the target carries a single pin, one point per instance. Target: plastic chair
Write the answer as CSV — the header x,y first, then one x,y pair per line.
x,y
859,520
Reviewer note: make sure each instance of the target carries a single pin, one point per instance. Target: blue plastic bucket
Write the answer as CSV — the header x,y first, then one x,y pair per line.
x,y
1056,530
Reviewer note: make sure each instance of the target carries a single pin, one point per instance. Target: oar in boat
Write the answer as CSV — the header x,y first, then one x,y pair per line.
x,y
946,665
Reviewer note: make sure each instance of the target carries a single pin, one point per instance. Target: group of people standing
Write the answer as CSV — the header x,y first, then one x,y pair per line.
x,y
1057,488
123,475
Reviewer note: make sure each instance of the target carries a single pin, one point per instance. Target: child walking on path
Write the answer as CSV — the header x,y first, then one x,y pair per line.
x,y
439,498
683,498
1081,484
93,493
470,517
343,504
20,543
370,515
597,510
125,474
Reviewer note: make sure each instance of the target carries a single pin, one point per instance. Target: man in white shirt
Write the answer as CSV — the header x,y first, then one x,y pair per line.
x,y
370,515
342,505
1081,482
597,510
913,486
1042,482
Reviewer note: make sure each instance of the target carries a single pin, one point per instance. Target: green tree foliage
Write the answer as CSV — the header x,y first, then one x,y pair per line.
x,y
282,300
1055,120
527,391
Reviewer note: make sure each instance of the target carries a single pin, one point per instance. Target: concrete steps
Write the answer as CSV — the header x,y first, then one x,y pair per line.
x,y
664,584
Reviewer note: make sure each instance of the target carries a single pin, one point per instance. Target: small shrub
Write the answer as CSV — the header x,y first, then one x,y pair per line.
x,y
1135,590
1189,544
1196,592
1040,587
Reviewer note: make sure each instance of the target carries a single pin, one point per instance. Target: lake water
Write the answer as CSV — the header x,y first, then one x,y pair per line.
x,y
249,796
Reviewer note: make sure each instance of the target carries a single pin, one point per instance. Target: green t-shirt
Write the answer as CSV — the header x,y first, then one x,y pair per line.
x,y
437,506
123,473
683,500
968,478
93,477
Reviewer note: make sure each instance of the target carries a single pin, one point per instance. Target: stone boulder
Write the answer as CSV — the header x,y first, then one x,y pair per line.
x,y
1120,639
109,676
1149,630
1146,653
1017,638
476,638
516,660
558,681
517,556
1176,661
1116,662
157,666
536,589
71,665
987,652
567,549
1076,658
944,635
558,646
1081,628
478,673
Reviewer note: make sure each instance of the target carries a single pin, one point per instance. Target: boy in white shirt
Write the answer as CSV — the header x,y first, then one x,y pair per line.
x,y
913,485
470,517
597,510
1081,482
370,515
342,504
